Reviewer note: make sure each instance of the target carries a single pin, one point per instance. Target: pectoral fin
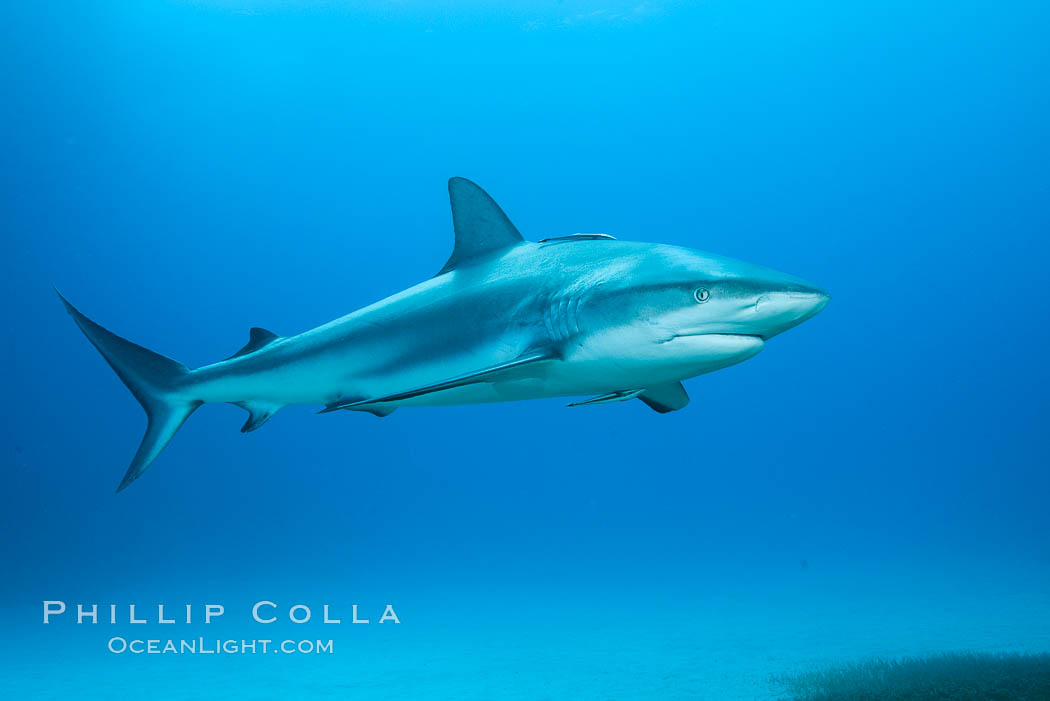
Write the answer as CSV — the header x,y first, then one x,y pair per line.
x,y
494,373
665,398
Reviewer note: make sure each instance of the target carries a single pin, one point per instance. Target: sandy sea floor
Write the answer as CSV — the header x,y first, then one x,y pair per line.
x,y
723,644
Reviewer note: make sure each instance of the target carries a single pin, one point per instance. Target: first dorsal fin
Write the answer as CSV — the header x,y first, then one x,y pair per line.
x,y
480,225
257,338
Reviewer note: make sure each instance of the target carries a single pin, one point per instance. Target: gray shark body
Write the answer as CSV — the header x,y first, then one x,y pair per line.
x,y
504,319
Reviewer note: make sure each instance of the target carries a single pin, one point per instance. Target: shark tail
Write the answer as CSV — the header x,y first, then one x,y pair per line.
x,y
159,383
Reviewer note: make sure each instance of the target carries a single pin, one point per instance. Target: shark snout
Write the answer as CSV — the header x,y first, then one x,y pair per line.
x,y
779,310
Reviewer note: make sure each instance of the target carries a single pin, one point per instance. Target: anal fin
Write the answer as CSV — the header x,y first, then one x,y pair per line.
x,y
379,411
258,414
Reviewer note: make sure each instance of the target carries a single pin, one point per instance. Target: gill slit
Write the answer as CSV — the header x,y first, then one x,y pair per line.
x,y
561,319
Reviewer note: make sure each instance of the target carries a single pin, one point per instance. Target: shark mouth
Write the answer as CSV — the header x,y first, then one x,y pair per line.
x,y
714,336
719,347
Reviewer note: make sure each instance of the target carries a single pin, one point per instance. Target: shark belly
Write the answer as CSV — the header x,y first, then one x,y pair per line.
x,y
592,371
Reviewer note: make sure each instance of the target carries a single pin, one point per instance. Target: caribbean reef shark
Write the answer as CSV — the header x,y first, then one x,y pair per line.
x,y
504,319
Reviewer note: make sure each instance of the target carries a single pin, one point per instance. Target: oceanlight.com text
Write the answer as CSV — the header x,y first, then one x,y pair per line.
x,y
214,646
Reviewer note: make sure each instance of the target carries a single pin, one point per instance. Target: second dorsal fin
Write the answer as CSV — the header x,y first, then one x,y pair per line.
x,y
257,338
480,225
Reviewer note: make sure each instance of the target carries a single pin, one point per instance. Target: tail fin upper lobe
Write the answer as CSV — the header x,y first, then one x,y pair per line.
x,y
156,381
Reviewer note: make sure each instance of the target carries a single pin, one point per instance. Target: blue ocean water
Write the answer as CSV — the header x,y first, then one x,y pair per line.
x,y
873,483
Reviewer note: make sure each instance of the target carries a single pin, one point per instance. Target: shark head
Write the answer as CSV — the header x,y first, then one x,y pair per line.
x,y
688,293
695,311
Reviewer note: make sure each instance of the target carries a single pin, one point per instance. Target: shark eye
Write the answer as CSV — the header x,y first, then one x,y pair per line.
x,y
701,294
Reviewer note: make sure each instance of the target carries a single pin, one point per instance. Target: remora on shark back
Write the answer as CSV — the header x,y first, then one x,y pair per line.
x,y
504,319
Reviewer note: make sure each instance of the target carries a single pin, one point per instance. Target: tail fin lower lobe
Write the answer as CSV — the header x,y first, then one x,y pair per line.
x,y
155,381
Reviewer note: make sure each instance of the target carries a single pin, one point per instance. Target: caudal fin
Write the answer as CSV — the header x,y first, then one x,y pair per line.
x,y
157,382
